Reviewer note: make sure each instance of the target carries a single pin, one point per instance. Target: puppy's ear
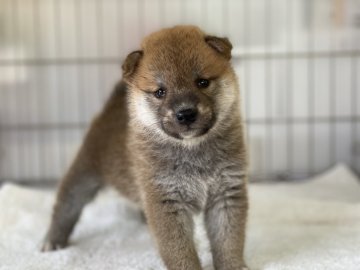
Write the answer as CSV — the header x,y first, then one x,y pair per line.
x,y
130,64
221,45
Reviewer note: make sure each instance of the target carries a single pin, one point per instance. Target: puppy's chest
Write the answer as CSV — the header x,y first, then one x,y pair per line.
x,y
189,181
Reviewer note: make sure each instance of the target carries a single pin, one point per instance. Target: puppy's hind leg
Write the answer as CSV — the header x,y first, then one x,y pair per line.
x,y
79,187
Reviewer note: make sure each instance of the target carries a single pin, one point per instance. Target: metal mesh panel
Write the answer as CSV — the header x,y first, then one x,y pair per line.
x,y
297,60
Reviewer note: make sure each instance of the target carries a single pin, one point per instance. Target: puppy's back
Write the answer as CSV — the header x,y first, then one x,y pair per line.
x,y
104,148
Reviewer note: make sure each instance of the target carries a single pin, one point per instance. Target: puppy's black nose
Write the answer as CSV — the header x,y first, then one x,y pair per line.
x,y
187,116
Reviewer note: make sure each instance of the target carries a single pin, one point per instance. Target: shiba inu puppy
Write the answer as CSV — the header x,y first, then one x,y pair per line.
x,y
170,139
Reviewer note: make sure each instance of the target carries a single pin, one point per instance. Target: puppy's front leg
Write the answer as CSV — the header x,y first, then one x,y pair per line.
x,y
225,220
172,225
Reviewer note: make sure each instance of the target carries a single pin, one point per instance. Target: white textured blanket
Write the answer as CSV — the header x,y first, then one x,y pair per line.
x,y
312,225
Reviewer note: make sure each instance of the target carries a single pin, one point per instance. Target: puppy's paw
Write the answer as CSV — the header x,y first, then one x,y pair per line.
x,y
51,246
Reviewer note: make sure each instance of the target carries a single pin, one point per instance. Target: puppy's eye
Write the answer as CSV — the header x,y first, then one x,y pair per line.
x,y
202,83
160,93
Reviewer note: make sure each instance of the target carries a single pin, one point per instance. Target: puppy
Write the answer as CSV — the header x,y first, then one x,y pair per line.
x,y
170,139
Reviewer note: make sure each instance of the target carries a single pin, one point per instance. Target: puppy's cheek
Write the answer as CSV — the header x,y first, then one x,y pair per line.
x,y
204,122
204,110
207,115
225,99
144,111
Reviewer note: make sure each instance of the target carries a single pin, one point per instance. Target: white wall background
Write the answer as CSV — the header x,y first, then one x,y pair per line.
x,y
297,60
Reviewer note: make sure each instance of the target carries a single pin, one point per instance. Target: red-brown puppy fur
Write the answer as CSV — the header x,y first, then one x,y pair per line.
x,y
170,139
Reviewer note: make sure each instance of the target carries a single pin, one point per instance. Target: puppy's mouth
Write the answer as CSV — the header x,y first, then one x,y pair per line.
x,y
181,132
193,133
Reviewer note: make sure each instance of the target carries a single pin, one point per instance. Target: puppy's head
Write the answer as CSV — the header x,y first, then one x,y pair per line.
x,y
181,82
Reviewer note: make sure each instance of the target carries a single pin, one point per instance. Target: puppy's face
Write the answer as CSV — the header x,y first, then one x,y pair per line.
x,y
181,83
